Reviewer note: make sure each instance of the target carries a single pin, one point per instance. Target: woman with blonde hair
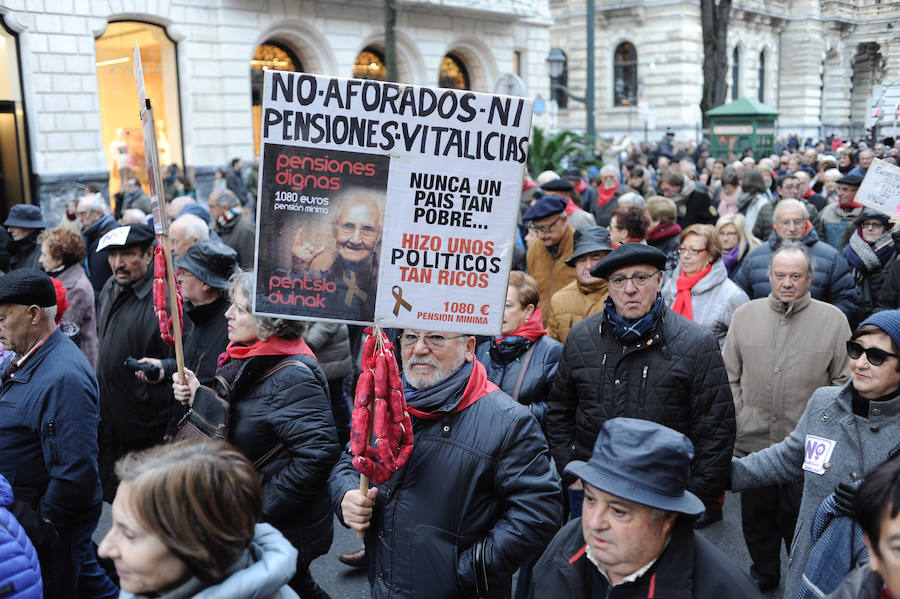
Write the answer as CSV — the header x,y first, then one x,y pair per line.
x,y
737,240
184,524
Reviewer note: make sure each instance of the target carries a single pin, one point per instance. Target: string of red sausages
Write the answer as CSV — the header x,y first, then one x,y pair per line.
x,y
159,295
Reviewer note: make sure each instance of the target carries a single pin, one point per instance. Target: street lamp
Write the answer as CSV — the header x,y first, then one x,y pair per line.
x,y
556,63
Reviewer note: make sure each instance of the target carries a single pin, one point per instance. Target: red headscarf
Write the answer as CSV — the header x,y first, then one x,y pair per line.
x,y
62,304
682,303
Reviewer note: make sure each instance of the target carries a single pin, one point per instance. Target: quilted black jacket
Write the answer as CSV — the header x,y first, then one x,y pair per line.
x,y
674,376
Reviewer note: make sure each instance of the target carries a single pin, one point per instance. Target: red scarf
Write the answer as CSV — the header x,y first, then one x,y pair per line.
x,y
605,196
682,303
571,207
273,346
849,205
532,329
477,387
663,232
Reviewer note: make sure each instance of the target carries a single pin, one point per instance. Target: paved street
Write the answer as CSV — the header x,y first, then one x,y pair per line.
x,y
342,582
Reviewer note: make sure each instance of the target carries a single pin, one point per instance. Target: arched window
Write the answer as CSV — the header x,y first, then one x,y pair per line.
x,y
268,56
453,73
120,123
625,77
370,65
735,72
761,93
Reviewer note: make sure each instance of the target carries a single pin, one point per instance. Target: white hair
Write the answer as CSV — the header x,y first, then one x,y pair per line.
x,y
789,203
194,226
631,198
609,168
96,202
50,312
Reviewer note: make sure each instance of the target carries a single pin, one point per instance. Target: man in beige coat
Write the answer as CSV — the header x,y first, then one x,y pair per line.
x,y
779,350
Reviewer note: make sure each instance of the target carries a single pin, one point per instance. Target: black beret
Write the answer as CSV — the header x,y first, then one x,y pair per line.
x,y
558,185
210,261
573,173
27,287
544,207
126,237
855,180
629,254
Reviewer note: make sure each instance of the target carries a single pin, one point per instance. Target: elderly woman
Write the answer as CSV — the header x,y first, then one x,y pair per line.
x,y
184,524
628,224
523,359
700,289
869,251
608,192
280,419
61,254
737,241
843,434
830,186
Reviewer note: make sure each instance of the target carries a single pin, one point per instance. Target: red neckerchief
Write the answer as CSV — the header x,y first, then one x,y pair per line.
x,y
532,329
663,231
581,186
17,365
571,207
809,192
885,592
273,346
604,196
682,303
477,387
849,205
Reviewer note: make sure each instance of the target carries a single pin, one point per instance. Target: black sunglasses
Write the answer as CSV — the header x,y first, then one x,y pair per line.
x,y
874,355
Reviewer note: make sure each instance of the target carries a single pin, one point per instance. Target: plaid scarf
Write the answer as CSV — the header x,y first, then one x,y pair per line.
x,y
627,331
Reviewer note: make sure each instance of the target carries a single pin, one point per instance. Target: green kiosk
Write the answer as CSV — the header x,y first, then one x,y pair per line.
x,y
742,124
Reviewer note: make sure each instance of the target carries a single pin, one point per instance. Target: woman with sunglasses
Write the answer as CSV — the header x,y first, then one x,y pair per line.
x,y
843,434
869,251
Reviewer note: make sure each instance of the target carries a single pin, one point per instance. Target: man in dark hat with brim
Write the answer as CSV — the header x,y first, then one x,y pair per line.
x,y
635,537
48,437
585,295
134,413
546,257
639,358
24,225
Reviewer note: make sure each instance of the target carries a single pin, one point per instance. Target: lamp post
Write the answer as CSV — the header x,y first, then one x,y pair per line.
x,y
556,62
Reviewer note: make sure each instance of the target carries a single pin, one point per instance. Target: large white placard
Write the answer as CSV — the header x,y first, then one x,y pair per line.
x,y
880,188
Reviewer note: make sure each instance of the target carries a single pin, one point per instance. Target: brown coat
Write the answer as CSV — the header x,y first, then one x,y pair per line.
x,y
551,273
776,355
572,304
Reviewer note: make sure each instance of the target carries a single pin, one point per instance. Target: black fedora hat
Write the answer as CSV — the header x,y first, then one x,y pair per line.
x,y
641,461
211,261
589,240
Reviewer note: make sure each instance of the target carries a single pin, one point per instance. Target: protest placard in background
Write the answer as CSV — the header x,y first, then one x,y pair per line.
x,y
880,188
386,203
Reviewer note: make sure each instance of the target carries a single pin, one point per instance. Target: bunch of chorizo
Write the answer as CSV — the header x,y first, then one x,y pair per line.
x,y
159,296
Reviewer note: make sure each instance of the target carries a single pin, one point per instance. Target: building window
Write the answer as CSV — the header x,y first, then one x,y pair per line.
x,y
268,56
735,73
453,73
370,65
761,93
517,63
119,115
625,75
14,165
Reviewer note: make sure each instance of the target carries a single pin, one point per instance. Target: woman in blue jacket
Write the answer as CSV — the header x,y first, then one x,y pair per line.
x,y
20,572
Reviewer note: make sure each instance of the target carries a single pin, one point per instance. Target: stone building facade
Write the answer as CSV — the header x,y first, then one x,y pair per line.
x,y
816,61
69,80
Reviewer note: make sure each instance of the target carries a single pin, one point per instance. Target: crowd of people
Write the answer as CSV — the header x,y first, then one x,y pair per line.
x,y
675,327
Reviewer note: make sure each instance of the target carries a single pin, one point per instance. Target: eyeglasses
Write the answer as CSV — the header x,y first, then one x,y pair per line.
x,y
430,341
874,355
872,225
640,279
797,222
686,251
544,228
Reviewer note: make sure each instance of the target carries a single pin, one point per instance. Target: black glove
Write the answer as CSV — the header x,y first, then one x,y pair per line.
x,y
845,496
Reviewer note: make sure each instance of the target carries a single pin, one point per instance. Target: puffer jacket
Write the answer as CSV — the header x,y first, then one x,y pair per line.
x,y
860,445
572,304
478,480
832,279
674,375
713,299
331,343
261,572
20,572
292,407
503,362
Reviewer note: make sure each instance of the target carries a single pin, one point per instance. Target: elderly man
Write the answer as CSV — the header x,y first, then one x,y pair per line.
x,y
639,358
635,536
832,282
93,214
839,218
865,161
134,414
24,225
607,193
546,257
778,351
789,187
578,217
48,438
234,229
357,230
185,231
477,496
694,206
585,295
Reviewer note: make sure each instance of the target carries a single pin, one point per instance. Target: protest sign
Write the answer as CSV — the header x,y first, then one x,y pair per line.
x,y
880,188
389,204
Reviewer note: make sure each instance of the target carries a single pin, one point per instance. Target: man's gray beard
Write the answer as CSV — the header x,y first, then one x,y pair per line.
x,y
424,382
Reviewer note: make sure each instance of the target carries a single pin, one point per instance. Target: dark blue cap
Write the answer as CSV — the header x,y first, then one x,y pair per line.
x,y
854,180
558,185
26,216
544,207
886,320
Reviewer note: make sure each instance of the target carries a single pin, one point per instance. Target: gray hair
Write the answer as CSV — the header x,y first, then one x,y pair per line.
x,y
97,203
609,168
194,226
789,203
50,312
631,198
266,326
795,246
225,198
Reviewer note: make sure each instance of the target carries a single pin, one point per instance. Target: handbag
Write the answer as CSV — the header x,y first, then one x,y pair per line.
x,y
210,415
